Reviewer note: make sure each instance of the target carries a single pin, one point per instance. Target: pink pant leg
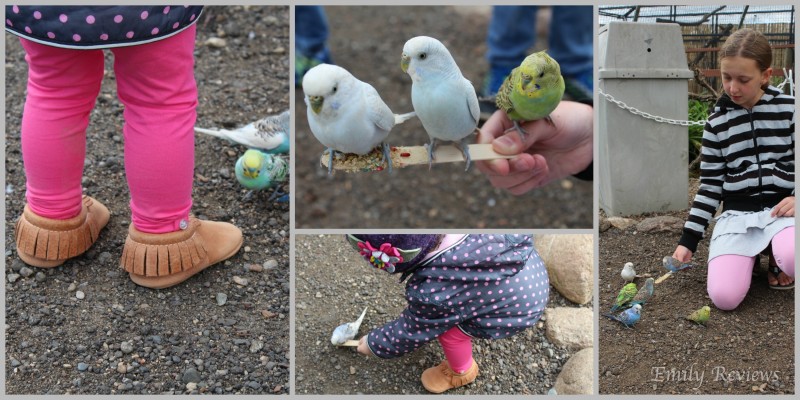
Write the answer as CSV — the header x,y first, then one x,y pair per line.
x,y
62,87
156,84
729,279
457,348
783,250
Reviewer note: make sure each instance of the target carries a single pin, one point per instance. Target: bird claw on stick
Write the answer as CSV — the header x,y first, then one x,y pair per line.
x,y
411,155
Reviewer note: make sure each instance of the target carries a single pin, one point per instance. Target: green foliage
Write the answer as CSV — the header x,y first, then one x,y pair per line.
x,y
698,111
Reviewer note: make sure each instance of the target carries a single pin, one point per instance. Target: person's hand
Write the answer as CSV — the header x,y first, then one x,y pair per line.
x,y
363,348
785,208
549,152
682,254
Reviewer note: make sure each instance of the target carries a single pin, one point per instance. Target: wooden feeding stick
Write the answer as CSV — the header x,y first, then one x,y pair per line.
x,y
662,278
409,155
350,343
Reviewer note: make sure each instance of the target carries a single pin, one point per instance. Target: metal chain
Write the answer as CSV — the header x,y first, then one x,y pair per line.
x,y
647,115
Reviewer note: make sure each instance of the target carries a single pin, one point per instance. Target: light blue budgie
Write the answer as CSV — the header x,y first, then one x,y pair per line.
x,y
348,331
645,292
257,170
270,135
445,101
347,115
628,317
673,265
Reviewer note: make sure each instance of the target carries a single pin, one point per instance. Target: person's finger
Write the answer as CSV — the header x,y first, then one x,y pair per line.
x,y
492,168
509,143
495,126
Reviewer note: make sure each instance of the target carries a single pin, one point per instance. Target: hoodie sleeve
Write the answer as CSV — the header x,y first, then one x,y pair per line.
x,y
422,321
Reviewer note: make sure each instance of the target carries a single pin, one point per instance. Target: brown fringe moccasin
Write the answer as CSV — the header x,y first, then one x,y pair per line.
x,y
47,243
442,378
161,260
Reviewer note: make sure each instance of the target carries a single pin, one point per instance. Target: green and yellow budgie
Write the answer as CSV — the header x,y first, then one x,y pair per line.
x,y
700,316
626,294
532,91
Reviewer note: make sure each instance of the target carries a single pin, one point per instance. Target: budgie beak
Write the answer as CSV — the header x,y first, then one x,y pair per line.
x,y
404,61
250,173
316,103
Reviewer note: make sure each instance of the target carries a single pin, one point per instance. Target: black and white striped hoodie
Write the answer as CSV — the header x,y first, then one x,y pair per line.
x,y
747,160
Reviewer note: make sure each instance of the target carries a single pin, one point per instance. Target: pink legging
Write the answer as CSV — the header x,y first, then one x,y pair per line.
x,y
457,347
729,275
155,82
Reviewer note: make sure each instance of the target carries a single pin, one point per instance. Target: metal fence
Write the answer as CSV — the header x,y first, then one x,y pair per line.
x,y
705,29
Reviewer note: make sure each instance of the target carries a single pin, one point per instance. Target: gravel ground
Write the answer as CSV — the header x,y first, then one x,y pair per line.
x,y
85,327
748,350
334,285
451,198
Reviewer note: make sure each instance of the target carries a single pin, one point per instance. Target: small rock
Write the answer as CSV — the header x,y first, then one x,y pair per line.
x,y
82,367
72,287
121,368
191,386
663,223
191,375
318,295
352,370
256,345
270,264
240,281
25,272
80,295
621,223
222,298
17,265
216,42
255,267
12,277
126,347
569,327
40,276
267,314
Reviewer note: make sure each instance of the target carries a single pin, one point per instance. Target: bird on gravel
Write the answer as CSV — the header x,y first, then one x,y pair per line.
x,y
700,316
270,135
626,294
628,273
645,292
348,331
257,170
628,317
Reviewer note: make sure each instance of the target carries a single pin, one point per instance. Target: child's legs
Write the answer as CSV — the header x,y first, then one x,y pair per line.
x,y
62,87
729,280
783,250
457,348
156,84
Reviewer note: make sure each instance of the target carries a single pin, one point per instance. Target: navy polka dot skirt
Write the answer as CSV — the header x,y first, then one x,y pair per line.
x,y
94,27
489,286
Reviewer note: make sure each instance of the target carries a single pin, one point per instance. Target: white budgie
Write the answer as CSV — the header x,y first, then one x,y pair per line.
x,y
443,99
270,135
347,115
348,331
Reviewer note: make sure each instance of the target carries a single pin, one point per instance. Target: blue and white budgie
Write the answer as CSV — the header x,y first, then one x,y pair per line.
x,y
445,101
628,317
257,170
270,135
347,115
348,331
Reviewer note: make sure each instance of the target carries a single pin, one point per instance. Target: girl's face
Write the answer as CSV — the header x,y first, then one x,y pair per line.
x,y
742,80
